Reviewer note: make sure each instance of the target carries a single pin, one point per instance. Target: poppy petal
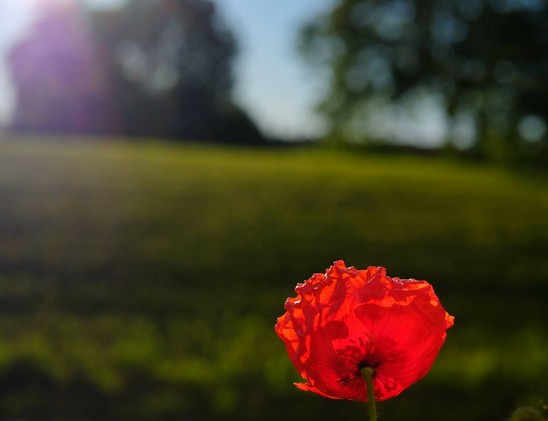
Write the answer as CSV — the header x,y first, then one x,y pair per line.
x,y
346,319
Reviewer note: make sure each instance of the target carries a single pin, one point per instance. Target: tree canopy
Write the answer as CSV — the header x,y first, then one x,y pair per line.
x,y
159,68
58,87
484,62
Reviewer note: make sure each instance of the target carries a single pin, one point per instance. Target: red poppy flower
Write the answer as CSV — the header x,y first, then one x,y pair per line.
x,y
349,319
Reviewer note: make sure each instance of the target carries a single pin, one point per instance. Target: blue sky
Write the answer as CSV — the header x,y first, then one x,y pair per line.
x,y
276,87
273,83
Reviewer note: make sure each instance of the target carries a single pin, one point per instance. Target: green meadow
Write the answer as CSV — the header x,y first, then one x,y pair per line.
x,y
142,280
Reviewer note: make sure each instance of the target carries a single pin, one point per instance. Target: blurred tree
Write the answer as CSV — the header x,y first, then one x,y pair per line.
x,y
58,87
169,66
158,68
485,62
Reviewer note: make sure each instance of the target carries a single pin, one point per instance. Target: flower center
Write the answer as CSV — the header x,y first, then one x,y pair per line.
x,y
367,372
366,365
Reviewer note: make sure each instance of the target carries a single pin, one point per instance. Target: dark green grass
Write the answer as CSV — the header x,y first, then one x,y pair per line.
x,y
142,281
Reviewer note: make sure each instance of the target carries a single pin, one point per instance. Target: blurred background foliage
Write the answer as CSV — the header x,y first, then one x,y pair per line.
x,y
483,62
141,279
474,71
160,68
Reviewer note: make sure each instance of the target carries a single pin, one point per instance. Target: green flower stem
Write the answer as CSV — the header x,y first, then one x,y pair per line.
x,y
367,373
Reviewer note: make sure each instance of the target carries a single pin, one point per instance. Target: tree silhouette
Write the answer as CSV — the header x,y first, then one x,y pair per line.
x,y
58,87
170,68
484,60
159,68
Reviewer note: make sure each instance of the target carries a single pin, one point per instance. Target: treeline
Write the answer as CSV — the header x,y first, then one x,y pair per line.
x,y
164,68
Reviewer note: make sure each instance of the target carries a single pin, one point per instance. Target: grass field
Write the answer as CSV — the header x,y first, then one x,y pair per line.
x,y
143,280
